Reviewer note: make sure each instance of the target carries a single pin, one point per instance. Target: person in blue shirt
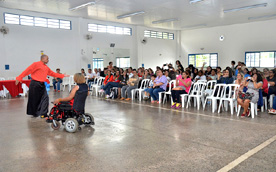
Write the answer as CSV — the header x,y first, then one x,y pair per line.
x,y
226,78
246,73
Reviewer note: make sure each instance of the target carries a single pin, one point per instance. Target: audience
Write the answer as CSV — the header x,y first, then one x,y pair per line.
x,y
271,81
266,72
108,78
226,78
110,67
200,76
131,84
183,85
213,75
123,81
57,81
146,91
114,83
160,84
252,94
83,72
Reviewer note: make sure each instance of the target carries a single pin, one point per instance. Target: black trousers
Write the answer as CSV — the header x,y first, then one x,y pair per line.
x,y
176,95
36,92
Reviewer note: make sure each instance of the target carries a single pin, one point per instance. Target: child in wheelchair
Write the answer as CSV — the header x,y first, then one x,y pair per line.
x,y
70,110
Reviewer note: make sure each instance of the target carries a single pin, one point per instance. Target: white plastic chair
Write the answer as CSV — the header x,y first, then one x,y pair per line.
x,y
198,94
169,92
98,85
185,96
210,87
71,82
65,81
230,97
265,104
253,108
201,81
214,98
140,90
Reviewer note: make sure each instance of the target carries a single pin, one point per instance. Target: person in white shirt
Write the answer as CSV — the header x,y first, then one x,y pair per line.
x,y
200,76
90,77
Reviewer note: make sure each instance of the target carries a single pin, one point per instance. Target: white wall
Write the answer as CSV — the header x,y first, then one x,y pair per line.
x,y
156,52
70,51
239,38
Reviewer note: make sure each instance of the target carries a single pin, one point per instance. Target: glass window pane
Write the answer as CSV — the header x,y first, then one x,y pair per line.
x,y
65,24
102,28
159,35
11,18
41,22
165,35
26,20
267,59
53,23
146,33
111,29
127,31
153,34
171,36
119,30
92,27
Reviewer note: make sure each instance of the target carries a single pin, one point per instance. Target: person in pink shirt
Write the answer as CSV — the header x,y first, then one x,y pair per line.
x,y
183,85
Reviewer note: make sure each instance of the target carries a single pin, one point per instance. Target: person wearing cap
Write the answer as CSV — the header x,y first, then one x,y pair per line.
x,y
39,71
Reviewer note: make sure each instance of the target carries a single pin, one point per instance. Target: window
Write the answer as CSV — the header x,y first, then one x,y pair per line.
x,y
36,21
123,62
260,59
98,63
198,59
159,35
109,29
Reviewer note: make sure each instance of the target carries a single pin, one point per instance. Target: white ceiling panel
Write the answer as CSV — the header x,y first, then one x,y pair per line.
x,y
208,12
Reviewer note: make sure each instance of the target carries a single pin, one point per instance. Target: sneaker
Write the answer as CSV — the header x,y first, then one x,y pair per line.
x,y
55,90
243,115
58,90
127,99
178,105
173,105
107,96
122,98
157,102
248,113
153,101
101,91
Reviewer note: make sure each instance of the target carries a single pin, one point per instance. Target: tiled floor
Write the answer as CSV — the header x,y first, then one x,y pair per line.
x,y
134,137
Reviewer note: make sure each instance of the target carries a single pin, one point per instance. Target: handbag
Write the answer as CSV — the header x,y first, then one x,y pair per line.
x,y
243,95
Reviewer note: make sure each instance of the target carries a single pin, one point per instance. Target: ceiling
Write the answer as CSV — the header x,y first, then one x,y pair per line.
x,y
190,16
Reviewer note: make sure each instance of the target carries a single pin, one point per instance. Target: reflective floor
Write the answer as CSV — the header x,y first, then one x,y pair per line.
x,y
134,136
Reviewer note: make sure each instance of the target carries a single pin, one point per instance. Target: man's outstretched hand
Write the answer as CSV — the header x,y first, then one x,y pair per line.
x,y
16,82
66,75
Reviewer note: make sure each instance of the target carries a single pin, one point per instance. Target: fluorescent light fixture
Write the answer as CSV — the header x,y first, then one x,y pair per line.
x,y
195,1
82,6
261,17
130,14
245,8
193,26
164,21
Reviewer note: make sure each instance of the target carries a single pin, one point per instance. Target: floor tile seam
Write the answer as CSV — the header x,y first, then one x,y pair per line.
x,y
216,117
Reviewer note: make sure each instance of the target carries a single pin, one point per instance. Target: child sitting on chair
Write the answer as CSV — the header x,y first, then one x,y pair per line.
x,y
146,96
78,94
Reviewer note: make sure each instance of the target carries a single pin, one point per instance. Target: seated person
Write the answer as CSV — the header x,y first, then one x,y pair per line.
x,y
90,77
226,78
114,83
271,81
83,72
57,81
166,73
213,75
200,76
252,93
159,85
146,91
246,73
123,81
131,84
78,93
108,78
183,85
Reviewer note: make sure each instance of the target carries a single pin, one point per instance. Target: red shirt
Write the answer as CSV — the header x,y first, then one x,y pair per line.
x,y
265,86
108,79
39,72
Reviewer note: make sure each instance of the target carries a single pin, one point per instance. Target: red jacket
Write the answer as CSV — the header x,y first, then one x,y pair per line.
x,y
108,79
265,86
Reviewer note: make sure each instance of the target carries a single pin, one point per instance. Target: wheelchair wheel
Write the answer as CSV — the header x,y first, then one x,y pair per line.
x,y
90,119
55,126
71,125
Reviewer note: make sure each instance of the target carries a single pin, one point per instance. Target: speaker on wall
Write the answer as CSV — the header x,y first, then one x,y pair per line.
x,y
112,45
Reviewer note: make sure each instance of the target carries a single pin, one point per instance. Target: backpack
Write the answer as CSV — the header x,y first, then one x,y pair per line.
x,y
113,93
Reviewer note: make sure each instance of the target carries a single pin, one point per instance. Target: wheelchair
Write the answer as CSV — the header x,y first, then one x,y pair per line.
x,y
64,114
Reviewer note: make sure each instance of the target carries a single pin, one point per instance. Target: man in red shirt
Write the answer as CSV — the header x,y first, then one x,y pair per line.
x,y
39,71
